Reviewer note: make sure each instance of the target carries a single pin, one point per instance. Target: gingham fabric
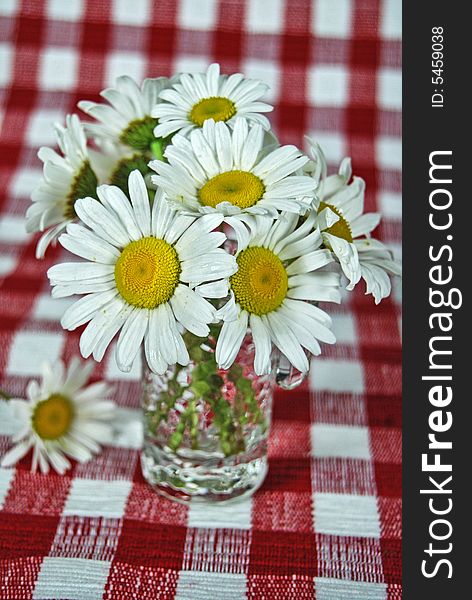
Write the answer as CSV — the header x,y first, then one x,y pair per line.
x,y
327,522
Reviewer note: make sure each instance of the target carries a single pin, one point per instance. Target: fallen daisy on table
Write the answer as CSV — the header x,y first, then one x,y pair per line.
x,y
62,417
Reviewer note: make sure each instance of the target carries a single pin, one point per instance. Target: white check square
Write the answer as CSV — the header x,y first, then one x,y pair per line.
x,y
48,308
236,515
346,515
198,14
23,182
340,441
97,498
328,85
58,69
30,349
389,152
265,16
390,204
136,12
332,143
202,585
344,328
6,477
71,10
6,57
12,229
40,130
124,63
344,589
8,8
71,578
336,375
8,264
389,90
332,19
391,20
268,72
191,64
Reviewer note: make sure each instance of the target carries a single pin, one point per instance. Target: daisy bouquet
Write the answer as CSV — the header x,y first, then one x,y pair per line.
x,y
206,245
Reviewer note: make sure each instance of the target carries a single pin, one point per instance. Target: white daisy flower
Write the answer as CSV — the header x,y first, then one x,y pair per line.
x,y
146,272
271,293
346,228
65,178
220,170
127,119
198,97
61,417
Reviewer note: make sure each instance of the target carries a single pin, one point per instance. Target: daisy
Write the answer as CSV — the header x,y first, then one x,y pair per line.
x,y
146,272
198,97
346,228
278,277
127,118
227,171
65,179
61,417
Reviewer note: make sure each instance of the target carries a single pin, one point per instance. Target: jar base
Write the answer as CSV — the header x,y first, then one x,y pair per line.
x,y
185,480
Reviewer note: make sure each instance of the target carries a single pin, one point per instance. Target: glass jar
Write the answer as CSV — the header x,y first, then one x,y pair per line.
x,y
206,429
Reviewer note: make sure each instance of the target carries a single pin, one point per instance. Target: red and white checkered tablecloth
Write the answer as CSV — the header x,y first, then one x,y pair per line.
x,y
327,522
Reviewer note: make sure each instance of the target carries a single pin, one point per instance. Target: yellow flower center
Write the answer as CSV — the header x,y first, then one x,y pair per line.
x,y
341,228
261,282
147,272
215,107
52,418
239,188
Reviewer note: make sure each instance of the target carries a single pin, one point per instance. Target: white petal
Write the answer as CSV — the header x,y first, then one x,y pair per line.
x,y
192,311
263,344
213,265
84,309
364,224
49,237
170,342
118,204
101,323
140,201
130,338
305,322
216,289
251,149
230,339
80,271
348,257
310,262
154,358
223,147
286,341
89,248
102,221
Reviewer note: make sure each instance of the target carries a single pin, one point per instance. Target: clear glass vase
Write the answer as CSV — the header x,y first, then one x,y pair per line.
x,y
206,429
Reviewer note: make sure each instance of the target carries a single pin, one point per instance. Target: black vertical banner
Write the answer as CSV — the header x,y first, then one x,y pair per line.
x,y
437,373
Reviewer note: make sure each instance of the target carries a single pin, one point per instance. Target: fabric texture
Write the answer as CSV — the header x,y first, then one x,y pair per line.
x,y
327,522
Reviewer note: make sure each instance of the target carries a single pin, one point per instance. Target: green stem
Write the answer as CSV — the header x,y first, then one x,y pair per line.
x,y
5,396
